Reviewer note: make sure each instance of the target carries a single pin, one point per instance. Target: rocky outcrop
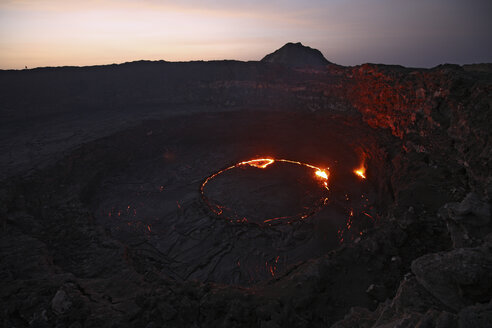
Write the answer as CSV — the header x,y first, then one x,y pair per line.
x,y
468,221
458,278
444,289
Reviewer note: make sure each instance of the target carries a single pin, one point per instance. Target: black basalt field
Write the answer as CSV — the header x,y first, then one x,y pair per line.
x,y
129,199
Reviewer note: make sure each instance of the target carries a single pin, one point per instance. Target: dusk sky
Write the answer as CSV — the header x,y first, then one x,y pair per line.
x,y
420,33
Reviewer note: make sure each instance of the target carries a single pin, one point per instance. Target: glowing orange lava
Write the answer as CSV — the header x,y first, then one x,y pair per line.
x,y
322,174
262,163
361,172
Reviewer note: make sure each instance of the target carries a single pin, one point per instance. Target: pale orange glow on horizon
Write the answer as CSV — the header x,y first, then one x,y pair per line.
x,y
37,33
54,33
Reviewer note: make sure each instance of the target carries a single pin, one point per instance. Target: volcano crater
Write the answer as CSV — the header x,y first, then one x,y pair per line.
x,y
145,185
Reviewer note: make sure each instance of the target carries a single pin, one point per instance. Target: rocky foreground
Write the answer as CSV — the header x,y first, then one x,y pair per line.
x,y
79,144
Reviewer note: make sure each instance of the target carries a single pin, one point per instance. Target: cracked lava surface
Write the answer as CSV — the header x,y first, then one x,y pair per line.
x,y
154,202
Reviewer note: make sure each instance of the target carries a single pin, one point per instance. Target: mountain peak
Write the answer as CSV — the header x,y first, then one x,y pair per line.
x,y
296,55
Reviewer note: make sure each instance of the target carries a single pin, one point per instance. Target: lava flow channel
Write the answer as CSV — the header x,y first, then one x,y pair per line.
x,y
262,163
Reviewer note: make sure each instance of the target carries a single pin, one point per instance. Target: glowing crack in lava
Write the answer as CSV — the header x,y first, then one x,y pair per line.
x,y
320,175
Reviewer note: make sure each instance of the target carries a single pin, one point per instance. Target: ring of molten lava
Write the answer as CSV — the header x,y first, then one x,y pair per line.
x,y
322,175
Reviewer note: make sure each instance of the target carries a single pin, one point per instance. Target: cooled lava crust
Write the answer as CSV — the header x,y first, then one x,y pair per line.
x,y
103,223
246,224
266,191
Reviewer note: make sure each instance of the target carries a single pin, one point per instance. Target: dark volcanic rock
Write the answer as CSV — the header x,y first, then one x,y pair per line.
x,y
60,303
458,278
103,225
412,306
296,55
468,222
476,316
